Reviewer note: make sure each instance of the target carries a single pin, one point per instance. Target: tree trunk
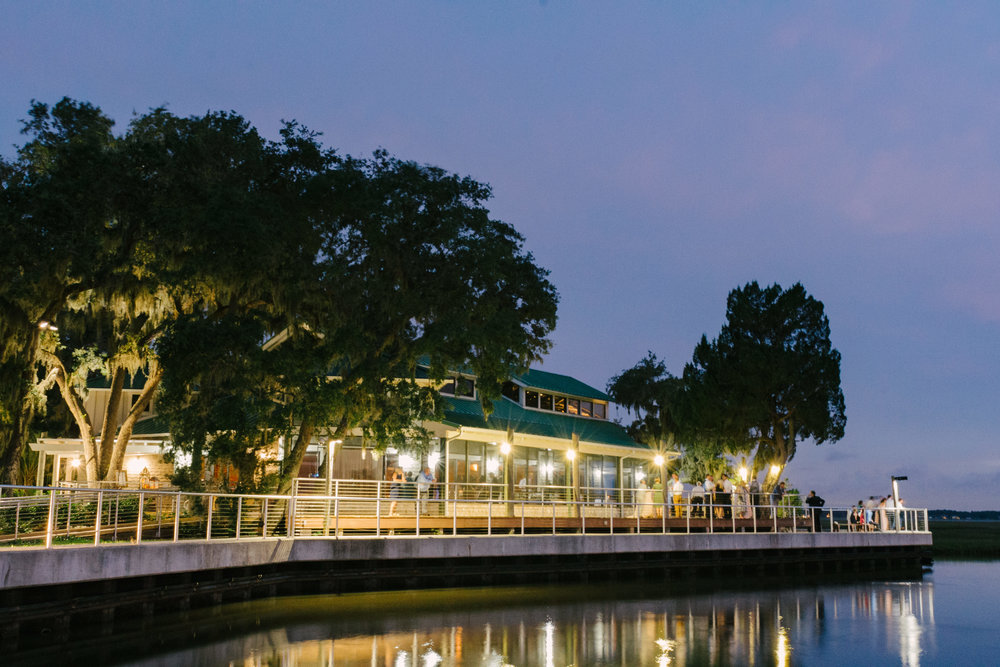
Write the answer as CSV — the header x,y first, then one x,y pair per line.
x,y
91,455
111,411
293,459
114,462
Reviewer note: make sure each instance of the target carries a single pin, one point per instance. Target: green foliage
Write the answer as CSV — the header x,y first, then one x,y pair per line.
x,y
654,395
770,379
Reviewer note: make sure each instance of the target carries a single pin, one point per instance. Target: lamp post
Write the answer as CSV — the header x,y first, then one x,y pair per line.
x,y
896,479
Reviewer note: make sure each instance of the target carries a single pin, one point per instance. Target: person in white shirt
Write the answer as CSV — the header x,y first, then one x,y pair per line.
x,y
677,492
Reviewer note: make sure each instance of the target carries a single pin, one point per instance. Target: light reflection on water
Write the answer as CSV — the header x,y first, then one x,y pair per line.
x,y
854,623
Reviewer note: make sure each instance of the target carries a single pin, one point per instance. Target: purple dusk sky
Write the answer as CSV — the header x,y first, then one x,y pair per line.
x,y
655,156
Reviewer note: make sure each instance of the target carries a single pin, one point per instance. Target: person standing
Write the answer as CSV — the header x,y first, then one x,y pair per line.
x,y
777,495
815,503
424,481
658,497
710,493
725,497
677,494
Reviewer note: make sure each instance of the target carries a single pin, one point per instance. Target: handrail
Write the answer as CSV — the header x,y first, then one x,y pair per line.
x,y
61,515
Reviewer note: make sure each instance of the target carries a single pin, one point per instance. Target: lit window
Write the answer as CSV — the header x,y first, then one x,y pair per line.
x,y
530,399
573,406
586,409
546,401
600,410
560,403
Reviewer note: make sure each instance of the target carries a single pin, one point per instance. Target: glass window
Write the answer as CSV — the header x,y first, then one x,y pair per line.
x,y
466,388
586,409
560,403
600,410
530,399
573,406
477,473
511,391
456,461
546,401
448,387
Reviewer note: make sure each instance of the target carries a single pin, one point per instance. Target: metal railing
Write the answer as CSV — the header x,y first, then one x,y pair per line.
x,y
56,515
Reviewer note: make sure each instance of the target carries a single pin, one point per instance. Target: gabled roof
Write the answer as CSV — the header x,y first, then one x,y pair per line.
x,y
562,384
533,422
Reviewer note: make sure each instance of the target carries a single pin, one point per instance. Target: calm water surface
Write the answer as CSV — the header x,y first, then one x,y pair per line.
x,y
950,617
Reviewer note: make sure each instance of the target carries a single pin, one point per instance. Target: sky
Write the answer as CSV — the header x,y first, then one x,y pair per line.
x,y
655,156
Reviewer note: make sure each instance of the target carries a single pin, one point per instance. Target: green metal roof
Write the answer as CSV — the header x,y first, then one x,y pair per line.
x,y
132,382
534,422
562,384
151,426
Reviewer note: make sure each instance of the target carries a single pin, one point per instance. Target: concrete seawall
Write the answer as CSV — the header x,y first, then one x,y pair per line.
x,y
62,592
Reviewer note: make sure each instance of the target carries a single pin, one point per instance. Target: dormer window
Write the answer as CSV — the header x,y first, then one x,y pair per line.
x,y
459,387
511,392
540,400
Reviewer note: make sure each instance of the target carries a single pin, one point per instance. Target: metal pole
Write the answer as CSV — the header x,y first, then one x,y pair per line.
x,y
208,527
138,525
97,519
239,515
50,524
177,517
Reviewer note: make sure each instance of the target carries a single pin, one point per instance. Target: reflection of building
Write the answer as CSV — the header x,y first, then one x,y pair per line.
x,y
763,627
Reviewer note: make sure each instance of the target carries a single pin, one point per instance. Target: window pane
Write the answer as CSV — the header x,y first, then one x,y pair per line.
x,y
448,387
466,388
585,409
546,401
573,406
531,399
600,410
511,391
560,403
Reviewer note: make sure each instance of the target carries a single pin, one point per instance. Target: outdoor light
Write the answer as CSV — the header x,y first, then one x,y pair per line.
x,y
406,462
505,448
75,463
492,465
775,469
639,476
571,454
658,460
432,459
47,325
744,473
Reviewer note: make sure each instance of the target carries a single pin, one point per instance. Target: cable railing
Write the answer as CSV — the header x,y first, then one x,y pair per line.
x,y
56,516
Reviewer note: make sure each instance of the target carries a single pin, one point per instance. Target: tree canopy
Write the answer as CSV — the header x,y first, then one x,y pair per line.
x,y
769,380
176,249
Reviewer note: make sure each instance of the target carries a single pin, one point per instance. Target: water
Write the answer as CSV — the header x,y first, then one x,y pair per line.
x,y
949,617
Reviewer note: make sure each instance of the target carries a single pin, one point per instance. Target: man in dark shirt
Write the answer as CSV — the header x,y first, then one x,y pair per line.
x,y
815,502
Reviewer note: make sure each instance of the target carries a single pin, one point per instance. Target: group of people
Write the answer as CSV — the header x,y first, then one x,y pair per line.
x,y
424,481
876,513
724,499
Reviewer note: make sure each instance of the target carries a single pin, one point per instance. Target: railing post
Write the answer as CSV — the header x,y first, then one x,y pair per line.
x,y
263,530
208,527
17,519
378,512
336,511
489,515
239,515
290,523
138,525
522,516
50,523
454,516
177,517
553,502
97,518
69,511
